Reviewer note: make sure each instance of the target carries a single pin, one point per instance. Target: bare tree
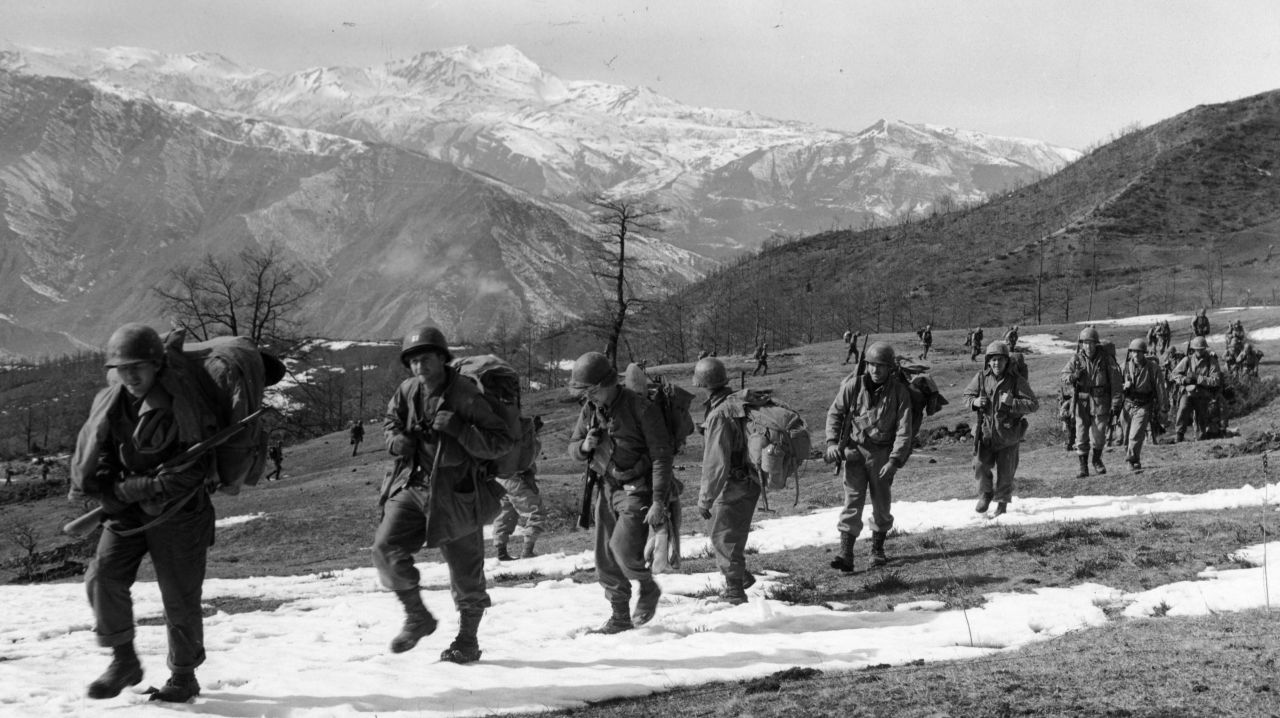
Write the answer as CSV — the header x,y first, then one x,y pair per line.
x,y
619,219
257,294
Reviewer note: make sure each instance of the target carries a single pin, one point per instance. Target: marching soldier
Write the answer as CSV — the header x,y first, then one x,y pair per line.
x,y
1201,379
975,343
1001,398
1143,398
1011,337
624,438
1094,381
1200,325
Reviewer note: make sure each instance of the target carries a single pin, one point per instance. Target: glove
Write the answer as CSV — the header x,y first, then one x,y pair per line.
x,y
137,489
657,516
705,513
888,470
401,445
832,454
448,422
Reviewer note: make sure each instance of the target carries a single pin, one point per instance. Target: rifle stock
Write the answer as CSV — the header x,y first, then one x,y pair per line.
x,y
842,441
85,524
586,510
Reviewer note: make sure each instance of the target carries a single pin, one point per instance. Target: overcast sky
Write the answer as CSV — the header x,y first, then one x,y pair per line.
x,y
1071,72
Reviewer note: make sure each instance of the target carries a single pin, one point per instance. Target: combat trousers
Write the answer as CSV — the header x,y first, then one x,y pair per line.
x,y
731,516
1091,429
179,549
862,466
522,501
620,536
1005,463
403,532
1139,423
1197,406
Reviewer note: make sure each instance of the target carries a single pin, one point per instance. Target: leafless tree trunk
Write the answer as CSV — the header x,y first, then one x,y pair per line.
x,y
619,219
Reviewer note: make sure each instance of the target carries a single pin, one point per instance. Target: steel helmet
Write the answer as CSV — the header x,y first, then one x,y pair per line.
x,y
1138,345
592,369
1200,343
133,344
424,338
998,348
881,353
710,373
1089,334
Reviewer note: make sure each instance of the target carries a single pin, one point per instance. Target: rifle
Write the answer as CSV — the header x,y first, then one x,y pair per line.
x,y
86,523
842,440
590,479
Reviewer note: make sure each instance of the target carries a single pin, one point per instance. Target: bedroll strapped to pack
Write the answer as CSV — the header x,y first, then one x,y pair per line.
x,y
500,384
926,399
778,440
232,374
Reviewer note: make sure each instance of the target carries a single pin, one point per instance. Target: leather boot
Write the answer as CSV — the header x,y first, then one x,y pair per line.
x,y
733,592
984,501
527,551
844,560
125,670
1098,468
1084,466
180,688
418,621
877,548
503,554
466,647
618,622
1001,507
647,603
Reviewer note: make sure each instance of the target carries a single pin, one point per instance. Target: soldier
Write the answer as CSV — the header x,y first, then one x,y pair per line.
x,y
523,501
276,454
146,416
1250,358
1200,378
1164,334
869,430
1095,384
356,435
440,429
1011,337
623,436
1153,334
1200,325
8,474
730,485
1143,398
975,343
762,360
926,340
852,351
1001,397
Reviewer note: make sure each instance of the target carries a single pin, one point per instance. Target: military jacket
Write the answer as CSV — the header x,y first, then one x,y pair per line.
x,y
635,448
1095,383
878,416
724,452
1143,381
1200,376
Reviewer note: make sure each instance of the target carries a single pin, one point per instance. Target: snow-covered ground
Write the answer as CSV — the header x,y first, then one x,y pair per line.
x,y
323,651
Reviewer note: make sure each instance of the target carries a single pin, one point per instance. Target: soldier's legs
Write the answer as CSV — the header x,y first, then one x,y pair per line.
x,y
881,491
527,500
465,558
983,463
1139,421
1098,431
1185,409
179,551
401,533
1084,425
619,543
731,516
107,582
1006,463
856,481
508,518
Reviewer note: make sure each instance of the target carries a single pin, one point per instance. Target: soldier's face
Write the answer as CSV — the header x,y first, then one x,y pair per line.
x,y
138,378
428,366
878,372
997,363
1090,348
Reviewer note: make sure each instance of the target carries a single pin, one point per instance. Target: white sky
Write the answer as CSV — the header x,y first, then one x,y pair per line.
x,y
324,651
1071,72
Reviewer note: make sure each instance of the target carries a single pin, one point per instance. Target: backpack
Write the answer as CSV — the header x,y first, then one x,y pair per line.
x,y
778,441
1018,363
232,374
499,383
672,400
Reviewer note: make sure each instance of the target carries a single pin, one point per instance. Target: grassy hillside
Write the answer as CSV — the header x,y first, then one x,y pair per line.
x,y
1181,214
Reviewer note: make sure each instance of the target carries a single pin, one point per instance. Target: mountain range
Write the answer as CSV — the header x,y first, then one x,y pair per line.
x,y
114,164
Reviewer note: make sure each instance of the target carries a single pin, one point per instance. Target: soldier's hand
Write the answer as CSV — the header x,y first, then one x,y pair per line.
x,y
832,454
704,513
888,470
981,403
447,422
590,441
657,516
136,489
401,445
111,505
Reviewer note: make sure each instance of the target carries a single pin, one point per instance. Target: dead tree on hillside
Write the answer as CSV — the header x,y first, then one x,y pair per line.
x,y
619,219
256,294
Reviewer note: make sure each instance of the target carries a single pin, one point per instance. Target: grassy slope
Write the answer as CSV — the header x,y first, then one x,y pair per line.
x,y
322,517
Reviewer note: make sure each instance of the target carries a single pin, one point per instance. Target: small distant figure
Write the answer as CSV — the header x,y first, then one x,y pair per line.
x,y
926,340
852,351
704,353
44,470
1164,335
975,343
1011,338
1249,359
8,474
1200,325
356,432
276,454
762,360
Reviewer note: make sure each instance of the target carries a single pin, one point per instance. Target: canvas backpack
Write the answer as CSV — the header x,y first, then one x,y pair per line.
x,y
499,383
232,374
778,440
673,401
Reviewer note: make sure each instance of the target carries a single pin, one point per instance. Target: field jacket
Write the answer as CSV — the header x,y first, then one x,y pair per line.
x,y
1002,424
724,452
877,416
635,450
1199,376
1143,382
1095,384
483,436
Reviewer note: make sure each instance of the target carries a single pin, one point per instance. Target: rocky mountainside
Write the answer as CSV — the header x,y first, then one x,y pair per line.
x,y
103,190
733,178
